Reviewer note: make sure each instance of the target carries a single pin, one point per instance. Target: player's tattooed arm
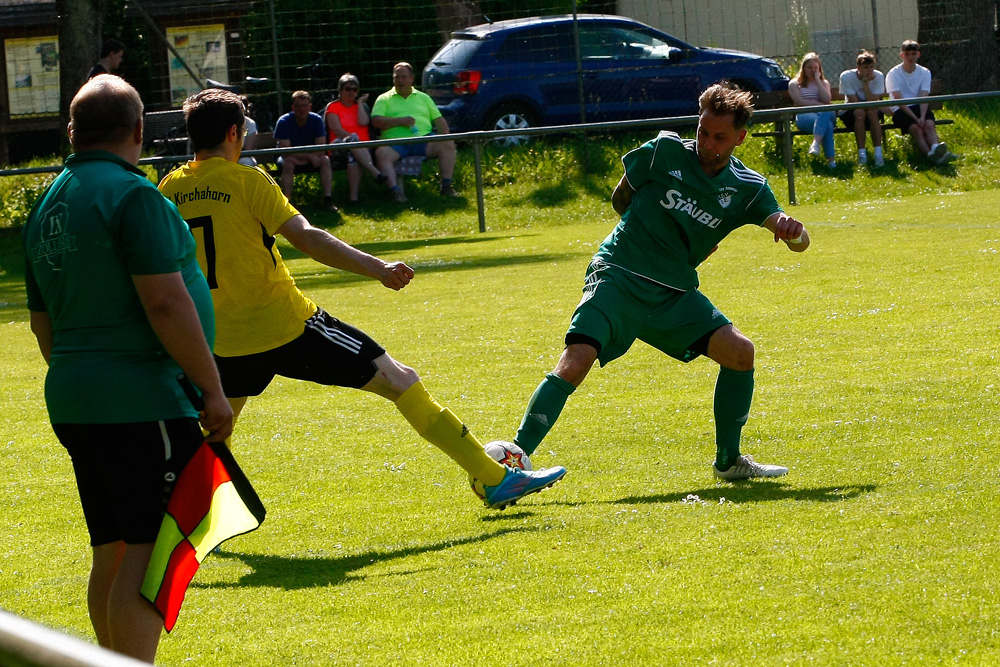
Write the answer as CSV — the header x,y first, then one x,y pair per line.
x,y
788,229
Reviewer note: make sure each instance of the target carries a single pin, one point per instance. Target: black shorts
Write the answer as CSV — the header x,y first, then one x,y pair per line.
x,y
125,473
902,120
328,352
847,118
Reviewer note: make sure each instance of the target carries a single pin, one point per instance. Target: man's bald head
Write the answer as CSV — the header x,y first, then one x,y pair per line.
x,y
104,112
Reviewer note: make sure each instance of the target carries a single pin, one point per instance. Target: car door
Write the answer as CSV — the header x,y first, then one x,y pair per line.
x,y
634,73
539,64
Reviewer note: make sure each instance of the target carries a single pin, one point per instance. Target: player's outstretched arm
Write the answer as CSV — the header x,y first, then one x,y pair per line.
x,y
788,229
327,249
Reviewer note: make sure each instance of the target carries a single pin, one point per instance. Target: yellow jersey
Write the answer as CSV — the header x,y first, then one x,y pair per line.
x,y
234,212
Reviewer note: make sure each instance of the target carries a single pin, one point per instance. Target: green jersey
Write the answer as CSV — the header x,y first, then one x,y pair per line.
x,y
678,213
100,223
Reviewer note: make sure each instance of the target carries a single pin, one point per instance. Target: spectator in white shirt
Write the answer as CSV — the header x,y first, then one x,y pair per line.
x,y
909,80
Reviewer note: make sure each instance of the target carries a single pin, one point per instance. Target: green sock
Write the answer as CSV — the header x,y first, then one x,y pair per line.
x,y
542,412
733,394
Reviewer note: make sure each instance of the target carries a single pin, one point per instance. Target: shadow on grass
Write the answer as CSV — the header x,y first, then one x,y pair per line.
x,y
290,573
757,491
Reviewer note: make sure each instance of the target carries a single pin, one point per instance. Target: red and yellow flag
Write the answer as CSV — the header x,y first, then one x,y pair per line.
x,y
212,502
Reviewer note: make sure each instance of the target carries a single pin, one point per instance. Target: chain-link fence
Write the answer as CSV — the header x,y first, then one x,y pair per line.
x,y
268,48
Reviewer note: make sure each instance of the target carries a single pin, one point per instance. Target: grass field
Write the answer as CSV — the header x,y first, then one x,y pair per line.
x,y
876,375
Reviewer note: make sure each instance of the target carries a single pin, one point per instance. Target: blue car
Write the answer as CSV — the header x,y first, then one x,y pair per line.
x,y
523,73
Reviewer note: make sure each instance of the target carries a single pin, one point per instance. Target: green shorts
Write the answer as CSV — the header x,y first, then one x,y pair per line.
x,y
619,307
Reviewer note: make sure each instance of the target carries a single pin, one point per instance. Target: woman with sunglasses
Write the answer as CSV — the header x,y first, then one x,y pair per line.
x,y
347,120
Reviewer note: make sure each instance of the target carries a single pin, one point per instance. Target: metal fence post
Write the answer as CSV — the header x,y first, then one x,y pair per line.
x,y
477,148
786,140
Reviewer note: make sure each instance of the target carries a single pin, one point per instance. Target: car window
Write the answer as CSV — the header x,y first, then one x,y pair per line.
x,y
457,52
545,44
614,42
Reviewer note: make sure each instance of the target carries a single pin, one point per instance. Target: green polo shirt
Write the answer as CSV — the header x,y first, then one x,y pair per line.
x,y
418,105
100,223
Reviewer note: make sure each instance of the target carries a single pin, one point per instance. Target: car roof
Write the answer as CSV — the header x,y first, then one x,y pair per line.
x,y
481,31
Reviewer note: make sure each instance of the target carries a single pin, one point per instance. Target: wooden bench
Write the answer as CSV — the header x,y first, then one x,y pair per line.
x,y
164,132
781,99
408,166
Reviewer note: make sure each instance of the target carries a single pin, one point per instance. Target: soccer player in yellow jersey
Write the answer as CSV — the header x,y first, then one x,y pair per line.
x,y
265,326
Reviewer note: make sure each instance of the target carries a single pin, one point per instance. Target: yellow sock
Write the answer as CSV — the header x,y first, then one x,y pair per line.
x,y
440,427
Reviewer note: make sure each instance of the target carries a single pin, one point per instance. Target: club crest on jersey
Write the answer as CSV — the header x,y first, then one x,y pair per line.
x,y
726,196
54,241
676,201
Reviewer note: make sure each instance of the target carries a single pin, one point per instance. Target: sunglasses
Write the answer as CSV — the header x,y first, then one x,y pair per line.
x,y
354,88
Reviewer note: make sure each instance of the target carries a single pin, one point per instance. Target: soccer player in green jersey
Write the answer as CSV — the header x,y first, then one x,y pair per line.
x,y
678,199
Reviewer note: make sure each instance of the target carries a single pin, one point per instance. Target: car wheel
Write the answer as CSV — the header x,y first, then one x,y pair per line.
x,y
511,117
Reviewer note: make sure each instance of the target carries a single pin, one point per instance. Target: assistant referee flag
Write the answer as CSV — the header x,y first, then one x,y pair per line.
x,y
212,502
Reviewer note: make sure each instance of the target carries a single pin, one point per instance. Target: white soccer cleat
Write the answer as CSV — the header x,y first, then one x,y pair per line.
x,y
746,468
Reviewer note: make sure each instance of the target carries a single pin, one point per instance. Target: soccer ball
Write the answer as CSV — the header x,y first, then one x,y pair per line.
x,y
504,453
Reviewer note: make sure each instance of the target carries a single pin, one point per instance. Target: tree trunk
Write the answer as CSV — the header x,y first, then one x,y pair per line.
x,y
80,23
456,14
957,43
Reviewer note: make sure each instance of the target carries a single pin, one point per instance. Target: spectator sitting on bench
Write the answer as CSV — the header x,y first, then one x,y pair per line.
x,y
811,88
302,127
909,80
404,111
347,120
864,84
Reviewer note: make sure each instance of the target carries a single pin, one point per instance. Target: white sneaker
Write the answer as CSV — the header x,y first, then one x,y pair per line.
x,y
814,149
746,468
879,160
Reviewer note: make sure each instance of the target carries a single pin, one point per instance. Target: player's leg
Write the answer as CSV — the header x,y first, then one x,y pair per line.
x,y
602,328
550,396
734,353
432,421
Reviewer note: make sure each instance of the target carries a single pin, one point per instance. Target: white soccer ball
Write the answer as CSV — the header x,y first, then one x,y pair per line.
x,y
504,453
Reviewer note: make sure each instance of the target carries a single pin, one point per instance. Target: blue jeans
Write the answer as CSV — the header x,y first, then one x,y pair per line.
x,y
821,125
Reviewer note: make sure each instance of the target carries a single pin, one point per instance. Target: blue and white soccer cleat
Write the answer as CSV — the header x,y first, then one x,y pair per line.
x,y
517,484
